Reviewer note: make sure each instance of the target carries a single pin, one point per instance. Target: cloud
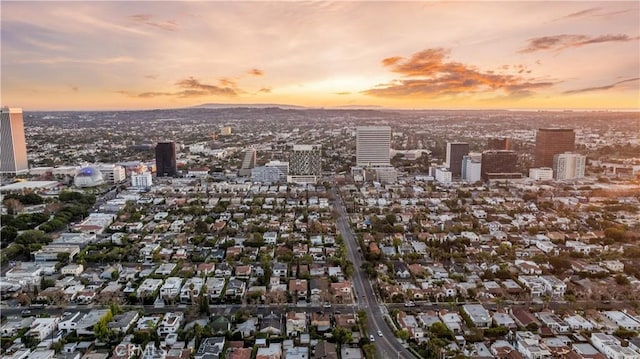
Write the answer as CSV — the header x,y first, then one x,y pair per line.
x,y
151,77
227,82
265,90
428,73
74,88
343,93
563,41
600,88
193,87
255,72
189,87
582,13
146,19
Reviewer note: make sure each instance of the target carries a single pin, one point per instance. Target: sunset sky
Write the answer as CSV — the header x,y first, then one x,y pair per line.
x,y
159,54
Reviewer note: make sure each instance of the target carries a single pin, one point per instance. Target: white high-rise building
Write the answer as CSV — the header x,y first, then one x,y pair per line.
x,y
141,180
472,168
569,166
13,145
373,144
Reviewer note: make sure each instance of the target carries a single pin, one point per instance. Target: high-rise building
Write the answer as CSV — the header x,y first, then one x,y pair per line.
x,y
455,152
225,131
553,141
569,166
306,160
471,167
248,162
13,145
166,159
373,145
498,144
498,162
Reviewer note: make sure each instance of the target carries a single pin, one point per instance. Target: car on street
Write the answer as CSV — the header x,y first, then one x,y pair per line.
x,y
410,304
327,305
371,338
379,333
26,313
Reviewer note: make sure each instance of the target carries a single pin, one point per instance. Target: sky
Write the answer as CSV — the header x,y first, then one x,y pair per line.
x,y
103,55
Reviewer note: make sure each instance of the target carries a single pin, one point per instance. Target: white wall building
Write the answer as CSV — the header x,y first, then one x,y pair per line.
x,y
569,166
373,144
112,173
443,175
141,180
541,174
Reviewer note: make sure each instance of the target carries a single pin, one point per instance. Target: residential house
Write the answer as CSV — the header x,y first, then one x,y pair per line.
x,y
296,323
210,348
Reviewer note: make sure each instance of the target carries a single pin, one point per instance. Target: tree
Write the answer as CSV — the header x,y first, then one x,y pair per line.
x,y
13,205
403,334
369,351
342,335
8,234
63,257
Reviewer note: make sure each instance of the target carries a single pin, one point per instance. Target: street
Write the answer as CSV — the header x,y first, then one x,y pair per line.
x,y
388,345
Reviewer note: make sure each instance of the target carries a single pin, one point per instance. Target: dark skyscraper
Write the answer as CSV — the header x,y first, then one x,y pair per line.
x,y
551,142
455,152
498,161
166,159
498,144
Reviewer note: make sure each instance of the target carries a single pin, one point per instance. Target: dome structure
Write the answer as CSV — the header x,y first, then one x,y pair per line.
x,y
88,177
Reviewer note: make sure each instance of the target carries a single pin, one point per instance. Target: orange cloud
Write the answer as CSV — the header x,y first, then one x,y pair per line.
x,y
255,72
431,75
265,90
564,41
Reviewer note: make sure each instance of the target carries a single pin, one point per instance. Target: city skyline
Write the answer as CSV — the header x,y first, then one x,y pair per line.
x,y
141,55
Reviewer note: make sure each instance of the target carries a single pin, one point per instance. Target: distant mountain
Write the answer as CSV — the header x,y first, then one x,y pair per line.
x,y
249,105
359,107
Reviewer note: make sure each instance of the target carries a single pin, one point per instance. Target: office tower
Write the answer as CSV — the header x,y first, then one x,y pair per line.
x,y
541,173
373,144
248,162
166,159
498,162
455,152
13,146
569,166
306,160
498,144
471,167
553,141
225,131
